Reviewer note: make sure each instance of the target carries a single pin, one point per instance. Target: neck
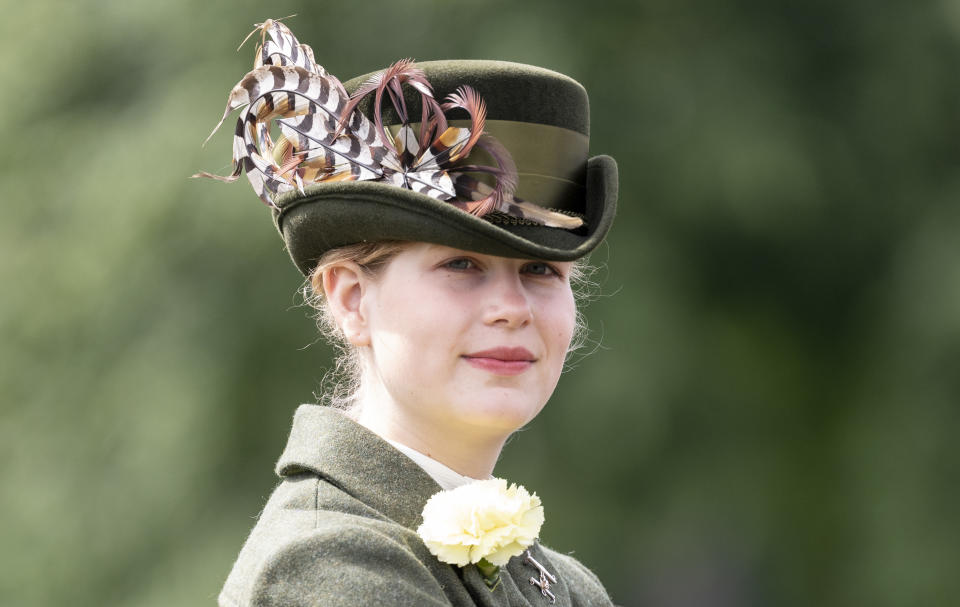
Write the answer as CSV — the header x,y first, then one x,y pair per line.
x,y
465,449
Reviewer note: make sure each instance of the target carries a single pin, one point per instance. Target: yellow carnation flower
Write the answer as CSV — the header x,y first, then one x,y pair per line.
x,y
481,520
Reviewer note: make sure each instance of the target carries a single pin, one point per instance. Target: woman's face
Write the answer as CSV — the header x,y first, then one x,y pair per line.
x,y
463,339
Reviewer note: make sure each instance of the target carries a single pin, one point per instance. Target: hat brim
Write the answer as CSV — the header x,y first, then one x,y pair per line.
x,y
336,214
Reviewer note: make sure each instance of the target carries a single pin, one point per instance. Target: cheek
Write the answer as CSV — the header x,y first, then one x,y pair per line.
x,y
561,325
397,324
413,335
567,323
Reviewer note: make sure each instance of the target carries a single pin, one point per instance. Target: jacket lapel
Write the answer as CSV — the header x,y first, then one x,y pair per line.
x,y
326,442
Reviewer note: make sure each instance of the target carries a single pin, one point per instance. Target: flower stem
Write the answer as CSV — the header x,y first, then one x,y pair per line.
x,y
490,572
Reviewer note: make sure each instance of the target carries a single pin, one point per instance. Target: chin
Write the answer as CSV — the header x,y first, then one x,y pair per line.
x,y
506,410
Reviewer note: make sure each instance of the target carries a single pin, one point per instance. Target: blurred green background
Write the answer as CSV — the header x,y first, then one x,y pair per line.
x,y
769,413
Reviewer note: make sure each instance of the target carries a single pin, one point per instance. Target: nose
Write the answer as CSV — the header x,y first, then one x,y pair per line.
x,y
509,303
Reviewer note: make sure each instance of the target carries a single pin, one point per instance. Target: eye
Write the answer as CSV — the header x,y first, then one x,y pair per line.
x,y
539,268
459,264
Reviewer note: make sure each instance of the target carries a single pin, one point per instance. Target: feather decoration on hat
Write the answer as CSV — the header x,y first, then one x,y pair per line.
x,y
289,87
320,135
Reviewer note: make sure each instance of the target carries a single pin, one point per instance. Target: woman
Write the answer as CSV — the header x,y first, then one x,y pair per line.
x,y
450,296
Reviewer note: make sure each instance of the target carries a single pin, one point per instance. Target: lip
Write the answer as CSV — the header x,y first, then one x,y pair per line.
x,y
502,361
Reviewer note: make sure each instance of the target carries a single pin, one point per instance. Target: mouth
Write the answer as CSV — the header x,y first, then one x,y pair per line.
x,y
502,361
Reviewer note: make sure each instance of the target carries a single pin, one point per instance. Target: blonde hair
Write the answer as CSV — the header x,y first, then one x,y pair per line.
x,y
341,384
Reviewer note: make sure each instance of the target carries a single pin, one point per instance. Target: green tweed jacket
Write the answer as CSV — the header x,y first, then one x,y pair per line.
x,y
340,530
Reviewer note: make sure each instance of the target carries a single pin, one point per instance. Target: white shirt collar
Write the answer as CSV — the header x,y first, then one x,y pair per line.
x,y
446,477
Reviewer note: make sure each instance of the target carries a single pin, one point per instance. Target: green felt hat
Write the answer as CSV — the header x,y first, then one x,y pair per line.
x,y
541,117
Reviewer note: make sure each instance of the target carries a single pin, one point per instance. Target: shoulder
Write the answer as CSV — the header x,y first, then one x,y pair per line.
x,y
584,587
344,564
313,544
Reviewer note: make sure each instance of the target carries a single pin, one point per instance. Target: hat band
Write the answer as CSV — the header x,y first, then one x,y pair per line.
x,y
551,160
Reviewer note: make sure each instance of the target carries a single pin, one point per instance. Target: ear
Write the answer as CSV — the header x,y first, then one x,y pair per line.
x,y
344,286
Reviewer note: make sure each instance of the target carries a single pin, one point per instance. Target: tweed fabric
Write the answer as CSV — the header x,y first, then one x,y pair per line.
x,y
340,530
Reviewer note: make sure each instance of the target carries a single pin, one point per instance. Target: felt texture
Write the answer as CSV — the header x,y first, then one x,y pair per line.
x,y
340,213
340,530
512,91
549,159
337,214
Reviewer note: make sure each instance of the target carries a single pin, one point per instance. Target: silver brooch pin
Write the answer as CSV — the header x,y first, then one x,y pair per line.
x,y
546,578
